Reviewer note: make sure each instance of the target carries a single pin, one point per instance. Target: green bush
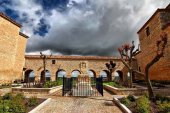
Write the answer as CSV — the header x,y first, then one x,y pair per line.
x,y
164,107
131,98
143,105
12,104
50,84
33,101
162,98
125,101
7,96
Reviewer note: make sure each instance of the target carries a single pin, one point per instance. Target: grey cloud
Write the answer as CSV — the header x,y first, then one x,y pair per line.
x,y
106,28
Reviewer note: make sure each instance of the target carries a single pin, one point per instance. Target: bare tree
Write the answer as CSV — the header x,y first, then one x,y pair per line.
x,y
161,43
127,53
110,66
44,57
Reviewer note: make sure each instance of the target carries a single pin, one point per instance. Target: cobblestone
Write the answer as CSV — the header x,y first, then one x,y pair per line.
x,y
60,104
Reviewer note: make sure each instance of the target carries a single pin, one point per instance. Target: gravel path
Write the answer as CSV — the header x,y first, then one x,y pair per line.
x,y
60,104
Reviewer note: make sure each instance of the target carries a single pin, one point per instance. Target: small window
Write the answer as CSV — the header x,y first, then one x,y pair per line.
x,y
53,61
147,31
139,69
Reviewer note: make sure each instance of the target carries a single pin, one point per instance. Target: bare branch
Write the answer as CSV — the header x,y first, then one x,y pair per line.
x,y
138,72
129,68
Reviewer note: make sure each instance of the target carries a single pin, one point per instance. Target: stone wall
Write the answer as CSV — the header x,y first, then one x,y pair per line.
x,y
12,49
160,70
69,64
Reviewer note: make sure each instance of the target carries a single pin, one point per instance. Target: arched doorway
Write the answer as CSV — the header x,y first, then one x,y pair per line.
x,y
119,76
29,76
60,73
105,75
75,73
92,74
47,76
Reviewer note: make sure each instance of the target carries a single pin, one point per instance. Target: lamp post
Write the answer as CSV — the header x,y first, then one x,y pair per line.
x,y
110,66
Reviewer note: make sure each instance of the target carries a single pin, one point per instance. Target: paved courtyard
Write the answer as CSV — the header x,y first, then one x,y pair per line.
x,y
60,104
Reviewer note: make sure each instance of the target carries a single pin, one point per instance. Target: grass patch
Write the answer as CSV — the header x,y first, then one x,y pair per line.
x,y
50,84
114,84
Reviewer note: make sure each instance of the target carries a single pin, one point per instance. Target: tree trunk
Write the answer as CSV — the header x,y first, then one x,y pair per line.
x,y
131,81
148,82
149,85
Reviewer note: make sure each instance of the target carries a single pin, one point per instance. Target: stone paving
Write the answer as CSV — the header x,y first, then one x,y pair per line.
x,y
59,104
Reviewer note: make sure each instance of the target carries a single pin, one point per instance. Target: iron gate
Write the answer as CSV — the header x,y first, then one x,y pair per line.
x,y
82,87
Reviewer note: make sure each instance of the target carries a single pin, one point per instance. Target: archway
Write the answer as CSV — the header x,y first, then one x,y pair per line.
x,y
60,73
47,75
105,75
75,73
29,76
119,76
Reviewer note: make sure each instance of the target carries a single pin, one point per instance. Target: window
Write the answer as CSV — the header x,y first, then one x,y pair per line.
x,y
53,61
139,69
147,31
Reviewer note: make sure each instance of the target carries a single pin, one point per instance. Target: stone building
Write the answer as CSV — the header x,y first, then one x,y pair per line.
x,y
12,49
148,35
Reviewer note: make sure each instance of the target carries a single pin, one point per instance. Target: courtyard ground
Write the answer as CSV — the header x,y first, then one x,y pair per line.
x,y
59,104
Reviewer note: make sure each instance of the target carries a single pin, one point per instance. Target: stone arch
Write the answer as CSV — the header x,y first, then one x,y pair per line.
x,y
29,76
75,73
60,73
105,74
47,75
120,76
92,73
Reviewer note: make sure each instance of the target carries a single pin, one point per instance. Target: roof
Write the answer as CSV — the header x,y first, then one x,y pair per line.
x,y
10,19
73,57
22,34
156,12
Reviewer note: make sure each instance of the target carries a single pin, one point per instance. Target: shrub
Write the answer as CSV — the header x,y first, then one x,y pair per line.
x,y
164,107
143,105
50,84
12,104
7,96
33,101
125,101
131,98
162,98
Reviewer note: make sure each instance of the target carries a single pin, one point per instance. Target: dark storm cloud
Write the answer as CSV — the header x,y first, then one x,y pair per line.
x,y
99,33
82,27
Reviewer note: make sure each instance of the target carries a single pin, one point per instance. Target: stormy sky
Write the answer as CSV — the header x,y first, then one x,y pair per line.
x,y
80,27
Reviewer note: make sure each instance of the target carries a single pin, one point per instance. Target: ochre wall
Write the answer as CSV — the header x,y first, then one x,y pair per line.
x,y
20,58
161,69
69,64
12,50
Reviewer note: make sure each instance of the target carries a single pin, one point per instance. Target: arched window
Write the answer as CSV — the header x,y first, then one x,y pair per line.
x,y
75,73
29,76
47,75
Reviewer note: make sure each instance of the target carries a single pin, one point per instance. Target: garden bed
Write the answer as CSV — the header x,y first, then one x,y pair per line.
x,y
144,105
125,91
10,103
36,91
